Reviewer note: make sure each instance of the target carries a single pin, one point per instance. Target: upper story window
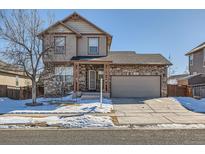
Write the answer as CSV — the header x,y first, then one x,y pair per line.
x,y
59,42
93,46
191,58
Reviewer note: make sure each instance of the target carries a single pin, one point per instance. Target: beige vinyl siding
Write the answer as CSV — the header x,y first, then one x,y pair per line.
x,y
83,45
82,26
70,49
59,29
10,80
198,59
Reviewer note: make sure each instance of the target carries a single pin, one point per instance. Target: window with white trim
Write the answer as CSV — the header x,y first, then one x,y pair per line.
x,y
191,58
93,46
64,74
59,44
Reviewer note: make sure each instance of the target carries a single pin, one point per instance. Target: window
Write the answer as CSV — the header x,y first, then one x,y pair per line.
x,y
64,70
64,74
59,44
191,58
93,46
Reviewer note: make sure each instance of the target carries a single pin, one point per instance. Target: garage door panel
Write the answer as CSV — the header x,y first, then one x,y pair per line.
x,y
135,86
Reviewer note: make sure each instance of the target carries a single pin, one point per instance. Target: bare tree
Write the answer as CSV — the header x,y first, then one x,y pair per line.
x,y
186,71
19,29
172,69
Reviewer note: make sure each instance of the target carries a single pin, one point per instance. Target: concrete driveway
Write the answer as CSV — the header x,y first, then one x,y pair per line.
x,y
154,111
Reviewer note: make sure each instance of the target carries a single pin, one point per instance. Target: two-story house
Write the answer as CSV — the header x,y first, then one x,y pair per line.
x,y
196,65
197,59
82,50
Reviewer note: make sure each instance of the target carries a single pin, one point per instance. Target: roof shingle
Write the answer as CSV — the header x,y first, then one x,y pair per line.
x,y
128,57
197,48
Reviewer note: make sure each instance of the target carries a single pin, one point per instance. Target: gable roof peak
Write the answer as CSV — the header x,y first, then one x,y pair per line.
x,y
76,16
197,48
60,23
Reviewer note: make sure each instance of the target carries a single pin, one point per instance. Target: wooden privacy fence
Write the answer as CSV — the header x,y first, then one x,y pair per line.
x,y
179,90
26,92
19,92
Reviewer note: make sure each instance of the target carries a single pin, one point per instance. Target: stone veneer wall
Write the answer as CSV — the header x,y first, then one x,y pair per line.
x,y
142,70
52,85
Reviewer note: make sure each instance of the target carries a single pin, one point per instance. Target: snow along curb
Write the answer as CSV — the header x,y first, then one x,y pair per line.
x,y
116,128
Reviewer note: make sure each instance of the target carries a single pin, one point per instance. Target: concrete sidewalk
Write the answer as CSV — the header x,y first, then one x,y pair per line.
x,y
155,111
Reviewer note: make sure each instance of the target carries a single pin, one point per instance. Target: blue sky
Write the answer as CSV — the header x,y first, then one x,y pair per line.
x,y
169,32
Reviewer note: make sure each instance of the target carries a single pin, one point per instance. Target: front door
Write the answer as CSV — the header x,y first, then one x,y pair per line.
x,y
92,80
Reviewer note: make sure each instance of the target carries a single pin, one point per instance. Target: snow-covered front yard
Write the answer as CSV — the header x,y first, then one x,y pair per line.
x,y
55,105
192,104
77,109
84,121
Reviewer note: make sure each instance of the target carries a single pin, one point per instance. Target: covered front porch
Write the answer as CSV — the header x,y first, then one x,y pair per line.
x,y
87,75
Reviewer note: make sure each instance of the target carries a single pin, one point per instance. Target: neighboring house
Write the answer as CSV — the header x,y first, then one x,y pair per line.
x,y
197,70
12,75
196,65
177,79
197,59
82,50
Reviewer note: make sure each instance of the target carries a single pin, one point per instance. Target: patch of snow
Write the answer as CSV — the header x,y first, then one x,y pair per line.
x,y
13,126
191,103
55,105
15,119
84,121
4,126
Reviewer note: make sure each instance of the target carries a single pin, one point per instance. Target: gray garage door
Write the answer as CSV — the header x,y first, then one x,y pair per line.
x,y
135,86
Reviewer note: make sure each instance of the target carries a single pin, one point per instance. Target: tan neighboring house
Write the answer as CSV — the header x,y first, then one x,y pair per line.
x,y
13,76
82,50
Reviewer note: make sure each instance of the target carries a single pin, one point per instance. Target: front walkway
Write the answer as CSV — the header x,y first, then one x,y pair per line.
x,y
154,111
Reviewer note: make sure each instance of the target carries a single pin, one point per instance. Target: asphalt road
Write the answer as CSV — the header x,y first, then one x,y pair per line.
x,y
107,137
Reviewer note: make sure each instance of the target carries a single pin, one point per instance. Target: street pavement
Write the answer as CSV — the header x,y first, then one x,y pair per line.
x,y
104,137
